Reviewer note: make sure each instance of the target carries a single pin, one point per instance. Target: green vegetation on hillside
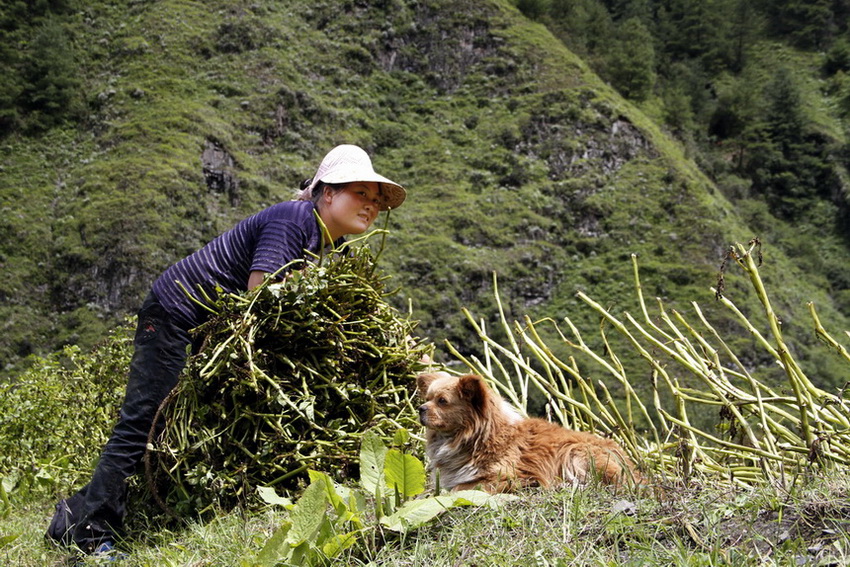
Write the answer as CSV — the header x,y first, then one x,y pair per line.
x,y
756,91
519,159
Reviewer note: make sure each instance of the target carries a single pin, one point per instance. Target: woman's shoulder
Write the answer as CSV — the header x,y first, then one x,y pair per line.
x,y
294,211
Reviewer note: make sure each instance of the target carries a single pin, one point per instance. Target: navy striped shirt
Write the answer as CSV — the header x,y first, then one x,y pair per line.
x,y
266,241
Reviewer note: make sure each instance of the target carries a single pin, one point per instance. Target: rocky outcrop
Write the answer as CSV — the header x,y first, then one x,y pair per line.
x,y
219,171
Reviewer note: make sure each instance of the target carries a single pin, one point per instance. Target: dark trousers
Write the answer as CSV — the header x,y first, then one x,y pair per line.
x,y
95,514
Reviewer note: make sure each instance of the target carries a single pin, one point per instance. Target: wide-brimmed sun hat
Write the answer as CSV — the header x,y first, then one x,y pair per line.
x,y
348,164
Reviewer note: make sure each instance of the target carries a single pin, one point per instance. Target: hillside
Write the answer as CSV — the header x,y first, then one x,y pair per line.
x,y
184,117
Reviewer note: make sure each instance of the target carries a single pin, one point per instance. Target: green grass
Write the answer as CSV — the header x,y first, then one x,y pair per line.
x,y
806,521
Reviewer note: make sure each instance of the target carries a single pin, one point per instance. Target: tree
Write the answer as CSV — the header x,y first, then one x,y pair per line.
x,y
50,77
622,10
838,57
790,162
35,54
697,29
531,8
745,28
630,61
583,25
10,83
809,23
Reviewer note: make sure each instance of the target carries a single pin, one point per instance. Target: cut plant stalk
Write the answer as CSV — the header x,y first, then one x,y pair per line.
x,y
764,435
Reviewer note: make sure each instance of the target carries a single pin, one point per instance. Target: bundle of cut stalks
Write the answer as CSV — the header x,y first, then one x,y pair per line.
x,y
772,431
289,377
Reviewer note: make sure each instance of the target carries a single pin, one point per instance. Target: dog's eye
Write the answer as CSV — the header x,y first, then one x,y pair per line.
x,y
442,401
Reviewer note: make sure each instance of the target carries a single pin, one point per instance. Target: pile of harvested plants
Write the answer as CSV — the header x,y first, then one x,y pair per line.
x,y
289,377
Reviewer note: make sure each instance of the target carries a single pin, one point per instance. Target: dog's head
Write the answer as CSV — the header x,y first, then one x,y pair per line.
x,y
452,403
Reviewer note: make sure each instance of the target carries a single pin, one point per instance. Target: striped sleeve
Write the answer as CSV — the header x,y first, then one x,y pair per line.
x,y
266,242
279,243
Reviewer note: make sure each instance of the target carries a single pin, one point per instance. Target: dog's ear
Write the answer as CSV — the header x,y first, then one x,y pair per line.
x,y
423,381
473,389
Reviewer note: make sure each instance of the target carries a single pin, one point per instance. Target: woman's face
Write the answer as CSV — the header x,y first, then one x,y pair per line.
x,y
351,210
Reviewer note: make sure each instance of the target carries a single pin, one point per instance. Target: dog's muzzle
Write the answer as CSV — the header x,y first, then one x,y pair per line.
x,y
423,415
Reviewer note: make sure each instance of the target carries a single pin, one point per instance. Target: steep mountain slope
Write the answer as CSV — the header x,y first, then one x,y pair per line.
x,y
517,158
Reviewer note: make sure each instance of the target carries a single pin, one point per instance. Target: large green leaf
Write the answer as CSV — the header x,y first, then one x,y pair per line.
x,y
271,497
404,473
275,548
332,490
339,543
415,513
308,514
480,498
372,457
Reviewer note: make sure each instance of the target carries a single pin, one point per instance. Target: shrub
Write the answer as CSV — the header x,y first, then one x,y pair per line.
x,y
55,417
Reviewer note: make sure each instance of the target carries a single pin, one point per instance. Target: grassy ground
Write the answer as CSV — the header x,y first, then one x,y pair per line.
x,y
803,523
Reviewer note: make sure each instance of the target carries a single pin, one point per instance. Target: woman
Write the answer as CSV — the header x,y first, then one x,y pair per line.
x,y
347,194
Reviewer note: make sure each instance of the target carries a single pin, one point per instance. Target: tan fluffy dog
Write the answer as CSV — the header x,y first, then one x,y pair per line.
x,y
476,439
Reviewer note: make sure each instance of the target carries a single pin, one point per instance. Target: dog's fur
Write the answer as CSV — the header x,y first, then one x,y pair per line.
x,y
475,439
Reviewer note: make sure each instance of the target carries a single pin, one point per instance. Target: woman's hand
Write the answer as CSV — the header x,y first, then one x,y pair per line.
x,y
256,278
